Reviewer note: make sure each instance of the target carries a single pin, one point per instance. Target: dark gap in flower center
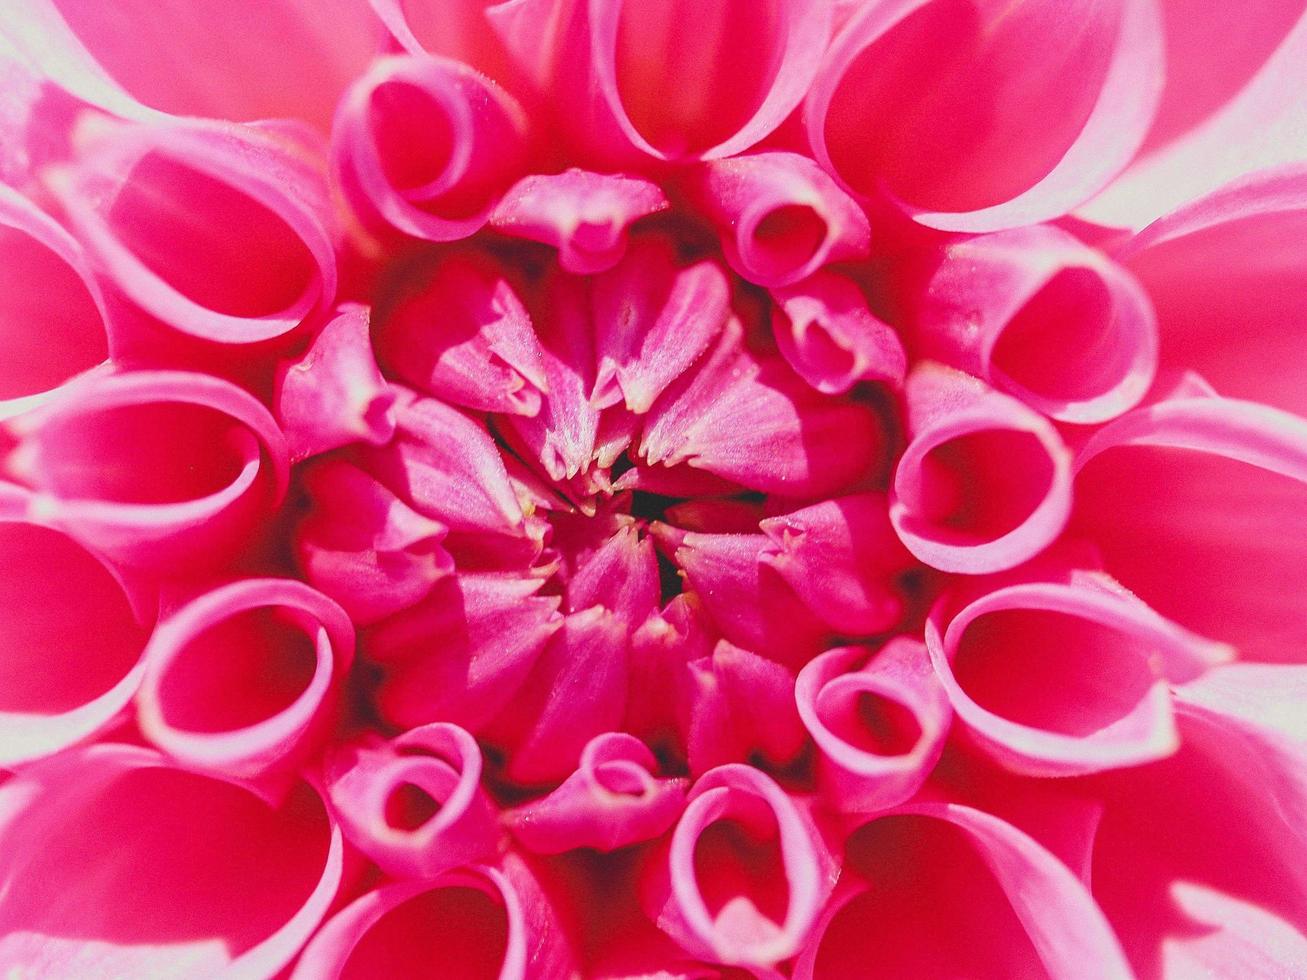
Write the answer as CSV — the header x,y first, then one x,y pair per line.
x,y
408,807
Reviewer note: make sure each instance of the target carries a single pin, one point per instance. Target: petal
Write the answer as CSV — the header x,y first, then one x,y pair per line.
x,y
457,29
661,648
621,576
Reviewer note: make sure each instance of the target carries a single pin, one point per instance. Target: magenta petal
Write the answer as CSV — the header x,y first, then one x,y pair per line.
x,y
661,648
1043,317
476,921
126,838
245,679
414,804
363,546
745,874
779,216
153,468
584,215
879,722
457,29
985,483
612,800
334,395
621,576
832,340
426,145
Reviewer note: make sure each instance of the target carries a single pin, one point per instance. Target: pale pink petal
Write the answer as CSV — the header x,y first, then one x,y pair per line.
x,y
584,215
985,482
363,546
477,922
426,145
745,873
333,394
832,340
455,29
413,804
156,468
779,216
879,721
614,799
983,116
1039,315
246,679
117,863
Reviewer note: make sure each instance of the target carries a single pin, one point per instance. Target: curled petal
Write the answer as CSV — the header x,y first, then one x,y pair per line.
x,y
584,215
427,145
985,483
841,558
879,722
832,340
1064,677
334,395
456,329
745,874
414,804
364,547
1037,314
982,116
612,800
456,29
153,468
222,232
103,849
476,921
244,680
53,695
780,217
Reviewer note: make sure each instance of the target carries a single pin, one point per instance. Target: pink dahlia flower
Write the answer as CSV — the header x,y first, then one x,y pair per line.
x,y
789,489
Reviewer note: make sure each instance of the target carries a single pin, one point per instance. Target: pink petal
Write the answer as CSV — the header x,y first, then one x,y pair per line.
x,y
978,117
745,874
145,869
363,546
457,29
153,468
476,921
584,215
334,395
842,559
426,145
612,800
621,575
779,216
832,340
245,679
661,649
1066,675
985,482
1037,314
413,804
879,722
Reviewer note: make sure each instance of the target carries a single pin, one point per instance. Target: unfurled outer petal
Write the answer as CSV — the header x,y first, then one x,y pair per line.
x,y
245,680
103,848
154,468
363,546
983,116
879,721
745,874
426,145
780,216
584,215
57,601
947,890
1039,315
68,306
456,329
832,340
414,804
223,232
653,318
334,395
612,800
1064,675
477,921
842,559
985,482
